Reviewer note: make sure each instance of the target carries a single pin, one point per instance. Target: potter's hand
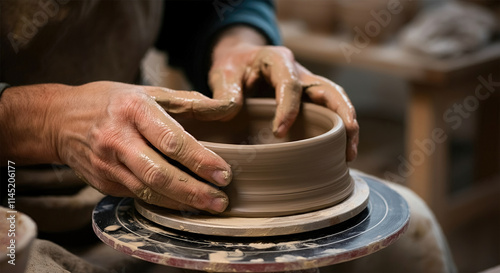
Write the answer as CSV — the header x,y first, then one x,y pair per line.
x,y
241,62
103,131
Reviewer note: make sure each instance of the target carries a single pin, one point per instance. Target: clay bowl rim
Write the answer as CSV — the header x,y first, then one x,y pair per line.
x,y
338,126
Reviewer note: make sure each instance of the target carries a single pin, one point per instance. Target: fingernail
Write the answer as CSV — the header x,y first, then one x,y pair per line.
x,y
219,204
222,177
280,131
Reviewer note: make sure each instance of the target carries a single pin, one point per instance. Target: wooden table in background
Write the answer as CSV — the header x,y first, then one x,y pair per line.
x,y
435,86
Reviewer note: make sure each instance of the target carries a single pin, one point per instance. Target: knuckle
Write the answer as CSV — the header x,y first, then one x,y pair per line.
x,y
133,104
284,51
192,197
146,194
226,108
172,143
137,190
157,177
352,114
104,169
292,85
352,129
105,138
130,103
202,161
101,138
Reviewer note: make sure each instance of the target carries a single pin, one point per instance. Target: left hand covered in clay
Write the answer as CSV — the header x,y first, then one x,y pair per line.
x,y
241,61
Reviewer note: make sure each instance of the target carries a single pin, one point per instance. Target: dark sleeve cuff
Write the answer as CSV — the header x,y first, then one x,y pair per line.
x,y
3,86
190,48
257,14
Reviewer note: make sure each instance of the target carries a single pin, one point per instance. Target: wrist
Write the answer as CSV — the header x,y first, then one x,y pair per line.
x,y
236,38
29,124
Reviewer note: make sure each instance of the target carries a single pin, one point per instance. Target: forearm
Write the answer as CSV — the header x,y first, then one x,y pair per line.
x,y
238,35
27,135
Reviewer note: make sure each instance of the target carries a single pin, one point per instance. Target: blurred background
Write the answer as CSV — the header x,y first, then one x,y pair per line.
x,y
424,77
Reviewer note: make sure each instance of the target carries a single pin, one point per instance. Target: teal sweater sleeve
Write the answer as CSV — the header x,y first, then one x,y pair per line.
x,y
189,28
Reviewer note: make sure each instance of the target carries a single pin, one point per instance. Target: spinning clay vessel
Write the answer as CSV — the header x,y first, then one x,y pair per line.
x,y
303,172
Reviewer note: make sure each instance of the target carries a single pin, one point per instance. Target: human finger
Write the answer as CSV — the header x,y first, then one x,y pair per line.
x,y
191,104
324,92
156,181
277,65
163,132
129,180
226,83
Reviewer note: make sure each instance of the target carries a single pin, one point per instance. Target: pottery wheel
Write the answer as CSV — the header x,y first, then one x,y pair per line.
x,y
382,222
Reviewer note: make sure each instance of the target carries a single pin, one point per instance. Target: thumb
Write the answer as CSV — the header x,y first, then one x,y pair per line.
x,y
226,85
189,104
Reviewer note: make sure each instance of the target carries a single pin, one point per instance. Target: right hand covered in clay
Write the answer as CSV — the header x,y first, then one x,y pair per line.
x,y
241,62
103,131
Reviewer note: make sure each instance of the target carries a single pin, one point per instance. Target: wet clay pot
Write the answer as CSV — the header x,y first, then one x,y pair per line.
x,y
302,172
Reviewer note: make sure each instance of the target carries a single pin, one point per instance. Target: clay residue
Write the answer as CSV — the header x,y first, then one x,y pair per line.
x,y
288,258
226,256
112,228
332,251
132,245
310,245
289,245
262,245
283,246
107,207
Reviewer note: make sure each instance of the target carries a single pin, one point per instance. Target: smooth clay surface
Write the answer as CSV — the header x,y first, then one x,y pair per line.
x,y
302,172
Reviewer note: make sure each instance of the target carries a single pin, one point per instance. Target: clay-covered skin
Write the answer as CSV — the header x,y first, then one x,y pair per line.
x,y
119,137
242,62
103,131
